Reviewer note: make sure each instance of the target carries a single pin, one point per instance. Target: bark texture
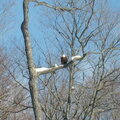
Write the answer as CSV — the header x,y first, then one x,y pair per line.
x,y
32,75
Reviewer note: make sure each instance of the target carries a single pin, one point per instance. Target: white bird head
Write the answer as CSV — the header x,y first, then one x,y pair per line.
x,y
63,55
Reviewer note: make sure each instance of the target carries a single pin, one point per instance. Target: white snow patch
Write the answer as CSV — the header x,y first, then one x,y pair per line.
x,y
73,87
56,65
41,69
76,57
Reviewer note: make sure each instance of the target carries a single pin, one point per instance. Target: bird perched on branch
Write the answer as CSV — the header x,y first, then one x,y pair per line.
x,y
64,59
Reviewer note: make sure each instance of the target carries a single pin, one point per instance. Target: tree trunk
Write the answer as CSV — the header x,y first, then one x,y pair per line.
x,y
32,75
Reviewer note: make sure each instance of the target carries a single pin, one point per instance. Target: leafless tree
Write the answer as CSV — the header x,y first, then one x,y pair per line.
x,y
85,31
12,94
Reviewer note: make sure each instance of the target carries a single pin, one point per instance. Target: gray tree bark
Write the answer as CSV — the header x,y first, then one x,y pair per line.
x,y
32,75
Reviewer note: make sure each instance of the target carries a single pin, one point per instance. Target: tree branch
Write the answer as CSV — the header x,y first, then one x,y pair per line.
x,y
44,70
58,8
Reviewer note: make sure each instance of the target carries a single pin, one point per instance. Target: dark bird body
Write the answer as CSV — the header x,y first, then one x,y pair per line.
x,y
64,59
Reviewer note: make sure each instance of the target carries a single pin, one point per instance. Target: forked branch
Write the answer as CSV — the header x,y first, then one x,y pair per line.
x,y
58,7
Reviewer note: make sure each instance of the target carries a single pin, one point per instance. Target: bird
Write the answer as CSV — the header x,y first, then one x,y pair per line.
x,y
64,59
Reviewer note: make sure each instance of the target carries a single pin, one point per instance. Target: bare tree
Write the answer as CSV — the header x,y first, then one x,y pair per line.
x,y
86,32
12,94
